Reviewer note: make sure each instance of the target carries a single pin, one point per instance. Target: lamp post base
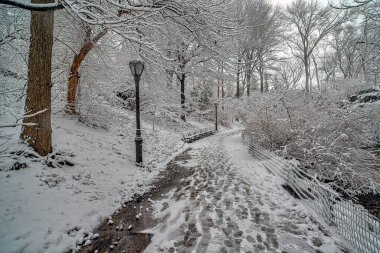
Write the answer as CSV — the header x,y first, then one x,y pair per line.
x,y
141,165
139,158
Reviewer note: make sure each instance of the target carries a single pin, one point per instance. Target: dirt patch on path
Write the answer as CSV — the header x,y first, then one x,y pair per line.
x,y
122,231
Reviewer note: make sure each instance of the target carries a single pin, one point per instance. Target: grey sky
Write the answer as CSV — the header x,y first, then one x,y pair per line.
x,y
286,2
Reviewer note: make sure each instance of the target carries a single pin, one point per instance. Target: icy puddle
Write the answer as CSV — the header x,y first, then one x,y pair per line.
x,y
231,203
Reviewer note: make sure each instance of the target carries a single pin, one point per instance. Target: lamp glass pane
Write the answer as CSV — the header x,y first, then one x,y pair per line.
x,y
132,67
139,68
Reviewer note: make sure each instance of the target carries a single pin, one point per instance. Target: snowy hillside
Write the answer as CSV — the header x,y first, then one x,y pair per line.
x,y
50,203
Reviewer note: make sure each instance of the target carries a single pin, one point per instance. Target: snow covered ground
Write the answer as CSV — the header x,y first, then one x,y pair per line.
x,y
44,209
233,204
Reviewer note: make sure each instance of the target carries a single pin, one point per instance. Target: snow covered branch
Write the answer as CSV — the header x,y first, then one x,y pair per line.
x,y
18,118
32,6
33,115
18,124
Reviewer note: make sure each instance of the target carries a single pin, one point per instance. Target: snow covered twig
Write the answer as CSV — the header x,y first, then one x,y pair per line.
x,y
18,118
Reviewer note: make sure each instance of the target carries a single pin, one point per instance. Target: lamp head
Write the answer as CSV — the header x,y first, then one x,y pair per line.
x,y
137,68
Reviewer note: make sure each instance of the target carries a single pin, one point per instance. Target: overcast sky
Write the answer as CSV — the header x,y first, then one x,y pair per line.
x,y
286,2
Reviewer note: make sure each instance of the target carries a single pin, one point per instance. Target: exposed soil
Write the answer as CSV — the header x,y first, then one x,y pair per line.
x,y
371,202
124,234
291,191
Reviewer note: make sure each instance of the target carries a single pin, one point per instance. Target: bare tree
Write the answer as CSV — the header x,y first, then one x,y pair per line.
x,y
262,42
328,66
189,54
346,49
14,41
311,23
368,43
89,42
289,74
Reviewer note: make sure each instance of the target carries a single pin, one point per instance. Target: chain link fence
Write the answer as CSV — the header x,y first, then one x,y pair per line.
x,y
355,224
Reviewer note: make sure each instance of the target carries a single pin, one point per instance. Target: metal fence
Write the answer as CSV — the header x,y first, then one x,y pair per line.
x,y
355,224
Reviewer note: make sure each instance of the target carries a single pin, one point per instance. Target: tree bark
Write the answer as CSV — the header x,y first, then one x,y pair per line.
x,y
222,83
219,82
38,95
223,93
316,73
307,74
183,98
238,78
261,73
74,70
248,83
311,77
266,82
248,72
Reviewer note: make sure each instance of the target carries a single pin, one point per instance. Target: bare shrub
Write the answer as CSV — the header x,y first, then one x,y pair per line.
x,y
331,138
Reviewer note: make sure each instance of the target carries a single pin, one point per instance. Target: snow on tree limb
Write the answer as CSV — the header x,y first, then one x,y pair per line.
x,y
18,118
34,114
32,6
18,124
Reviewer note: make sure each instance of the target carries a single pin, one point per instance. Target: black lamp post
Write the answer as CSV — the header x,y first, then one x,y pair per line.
x,y
216,116
137,68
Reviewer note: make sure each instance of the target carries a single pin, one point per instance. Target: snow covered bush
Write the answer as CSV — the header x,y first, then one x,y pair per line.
x,y
330,136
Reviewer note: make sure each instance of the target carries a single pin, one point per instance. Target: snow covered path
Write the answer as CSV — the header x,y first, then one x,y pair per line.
x,y
233,204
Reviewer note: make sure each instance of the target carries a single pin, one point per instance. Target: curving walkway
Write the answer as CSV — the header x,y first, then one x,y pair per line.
x,y
231,203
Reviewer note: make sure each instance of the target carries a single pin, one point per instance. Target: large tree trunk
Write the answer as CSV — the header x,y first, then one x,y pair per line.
x,y
38,96
74,70
183,98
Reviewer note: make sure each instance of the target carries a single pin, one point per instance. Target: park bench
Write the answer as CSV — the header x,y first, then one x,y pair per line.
x,y
193,135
